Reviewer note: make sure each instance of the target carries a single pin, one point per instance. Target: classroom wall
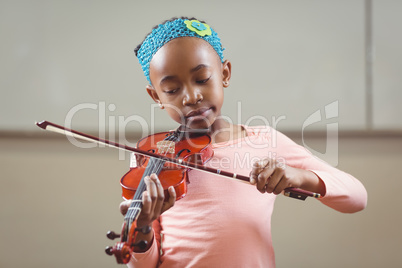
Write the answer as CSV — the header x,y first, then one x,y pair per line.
x,y
293,62
58,201
73,61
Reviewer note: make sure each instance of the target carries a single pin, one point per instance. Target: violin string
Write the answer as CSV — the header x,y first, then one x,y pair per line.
x,y
137,200
154,166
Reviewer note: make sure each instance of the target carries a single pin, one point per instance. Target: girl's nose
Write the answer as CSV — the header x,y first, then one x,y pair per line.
x,y
192,98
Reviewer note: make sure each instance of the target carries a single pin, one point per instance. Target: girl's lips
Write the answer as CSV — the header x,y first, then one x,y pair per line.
x,y
202,112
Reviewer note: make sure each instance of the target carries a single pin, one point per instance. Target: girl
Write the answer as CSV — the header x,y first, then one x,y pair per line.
x,y
221,222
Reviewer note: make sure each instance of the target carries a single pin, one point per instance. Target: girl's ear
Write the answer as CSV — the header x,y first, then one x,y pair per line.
x,y
152,92
226,72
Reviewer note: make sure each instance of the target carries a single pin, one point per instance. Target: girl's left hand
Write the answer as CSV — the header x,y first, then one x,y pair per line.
x,y
272,176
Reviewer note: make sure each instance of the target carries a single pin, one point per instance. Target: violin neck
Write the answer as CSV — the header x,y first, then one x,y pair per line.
x,y
155,165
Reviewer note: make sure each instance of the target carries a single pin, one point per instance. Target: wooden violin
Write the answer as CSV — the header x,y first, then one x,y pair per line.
x,y
170,154
176,145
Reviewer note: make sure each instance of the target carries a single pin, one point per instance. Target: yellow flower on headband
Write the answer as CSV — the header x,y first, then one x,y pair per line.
x,y
200,28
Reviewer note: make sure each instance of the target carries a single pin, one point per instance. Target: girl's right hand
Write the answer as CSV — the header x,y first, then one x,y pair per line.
x,y
153,204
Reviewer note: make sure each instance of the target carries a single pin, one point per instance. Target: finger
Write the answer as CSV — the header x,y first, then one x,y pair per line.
x,y
160,195
275,180
265,173
264,178
258,166
283,183
146,204
253,177
171,201
152,191
124,206
146,198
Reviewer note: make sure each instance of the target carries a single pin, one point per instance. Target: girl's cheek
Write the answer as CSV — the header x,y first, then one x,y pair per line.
x,y
176,114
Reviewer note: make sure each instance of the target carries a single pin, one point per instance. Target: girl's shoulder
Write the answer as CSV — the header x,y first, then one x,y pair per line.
x,y
259,131
275,139
267,134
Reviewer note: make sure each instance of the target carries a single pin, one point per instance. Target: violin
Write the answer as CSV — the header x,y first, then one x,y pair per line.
x,y
177,145
169,155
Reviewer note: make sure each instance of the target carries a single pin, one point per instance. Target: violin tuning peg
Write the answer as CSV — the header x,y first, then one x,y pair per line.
x,y
141,245
145,229
112,235
109,251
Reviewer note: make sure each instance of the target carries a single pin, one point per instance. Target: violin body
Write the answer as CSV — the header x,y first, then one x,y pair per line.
x,y
195,149
170,177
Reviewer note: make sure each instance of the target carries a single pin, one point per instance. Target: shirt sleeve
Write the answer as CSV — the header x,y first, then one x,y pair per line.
x,y
149,258
344,192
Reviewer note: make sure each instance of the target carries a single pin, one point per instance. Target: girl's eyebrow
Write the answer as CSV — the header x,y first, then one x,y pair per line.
x,y
166,78
198,67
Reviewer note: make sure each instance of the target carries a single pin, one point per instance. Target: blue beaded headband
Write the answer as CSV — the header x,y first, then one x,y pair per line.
x,y
171,30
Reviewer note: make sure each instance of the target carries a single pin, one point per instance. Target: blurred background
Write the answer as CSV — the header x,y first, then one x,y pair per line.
x,y
327,73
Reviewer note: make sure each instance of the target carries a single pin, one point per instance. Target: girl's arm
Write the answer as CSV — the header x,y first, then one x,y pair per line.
x,y
343,192
301,169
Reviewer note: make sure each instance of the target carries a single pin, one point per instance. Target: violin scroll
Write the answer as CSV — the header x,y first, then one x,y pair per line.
x,y
121,251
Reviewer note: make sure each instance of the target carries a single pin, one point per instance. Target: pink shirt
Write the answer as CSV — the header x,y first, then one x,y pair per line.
x,y
226,223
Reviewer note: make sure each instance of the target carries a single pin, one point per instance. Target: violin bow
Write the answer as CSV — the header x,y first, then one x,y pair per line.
x,y
46,125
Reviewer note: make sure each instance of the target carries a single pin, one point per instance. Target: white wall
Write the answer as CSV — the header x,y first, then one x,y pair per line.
x,y
387,76
290,58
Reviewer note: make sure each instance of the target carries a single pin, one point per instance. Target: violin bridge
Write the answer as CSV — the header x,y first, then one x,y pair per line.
x,y
165,147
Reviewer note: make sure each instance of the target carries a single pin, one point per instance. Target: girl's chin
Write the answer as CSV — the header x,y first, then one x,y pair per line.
x,y
198,123
201,122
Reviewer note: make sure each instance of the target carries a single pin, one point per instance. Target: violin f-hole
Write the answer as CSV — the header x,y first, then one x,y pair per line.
x,y
181,151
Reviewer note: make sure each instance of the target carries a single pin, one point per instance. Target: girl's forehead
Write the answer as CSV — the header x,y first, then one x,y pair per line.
x,y
183,57
185,49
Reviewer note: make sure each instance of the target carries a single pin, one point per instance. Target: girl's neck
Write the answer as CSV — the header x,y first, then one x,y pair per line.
x,y
223,131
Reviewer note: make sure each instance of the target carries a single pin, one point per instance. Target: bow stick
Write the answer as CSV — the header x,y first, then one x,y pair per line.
x,y
290,192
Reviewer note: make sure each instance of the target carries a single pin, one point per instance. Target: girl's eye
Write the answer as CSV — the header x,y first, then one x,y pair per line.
x,y
172,91
203,81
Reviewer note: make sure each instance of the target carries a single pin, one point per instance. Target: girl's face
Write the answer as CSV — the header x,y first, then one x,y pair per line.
x,y
188,79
